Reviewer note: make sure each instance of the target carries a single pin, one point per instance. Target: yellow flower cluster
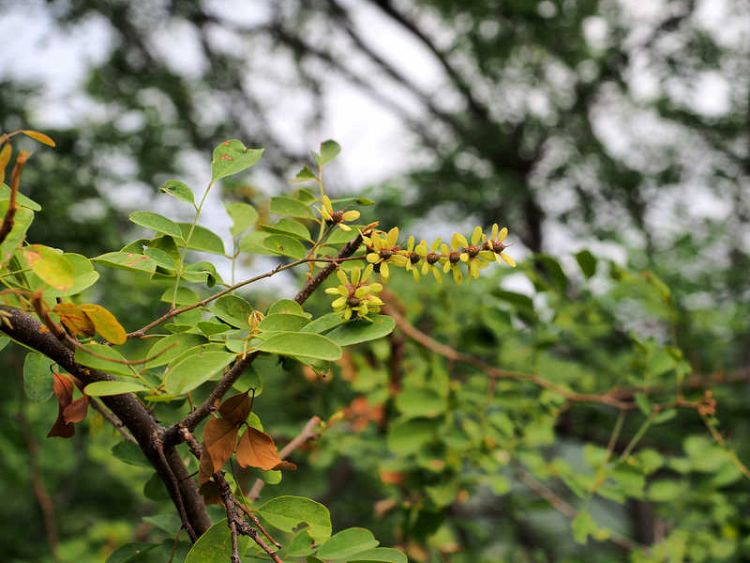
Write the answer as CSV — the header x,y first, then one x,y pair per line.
x,y
439,258
356,297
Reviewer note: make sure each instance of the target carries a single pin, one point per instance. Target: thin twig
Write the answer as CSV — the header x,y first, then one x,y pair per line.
x,y
141,332
112,419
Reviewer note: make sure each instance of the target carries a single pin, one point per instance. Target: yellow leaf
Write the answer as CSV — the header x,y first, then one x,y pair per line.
x,y
74,319
40,137
105,323
5,153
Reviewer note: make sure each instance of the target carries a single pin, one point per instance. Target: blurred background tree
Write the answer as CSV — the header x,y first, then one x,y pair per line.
x,y
619,126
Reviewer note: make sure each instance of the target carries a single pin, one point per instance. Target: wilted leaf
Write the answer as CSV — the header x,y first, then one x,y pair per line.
x,y
74,319
105,323
63,389
236,408
39,137
50,265
76,411
219,439
257,449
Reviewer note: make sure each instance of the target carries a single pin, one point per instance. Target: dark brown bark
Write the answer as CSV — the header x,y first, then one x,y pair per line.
x,y
27,330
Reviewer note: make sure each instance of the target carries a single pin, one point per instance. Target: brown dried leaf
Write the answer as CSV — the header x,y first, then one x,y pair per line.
x,y
219,439
211,493
205,468
257,449
76,411
74,319
105,323
63,388
236,408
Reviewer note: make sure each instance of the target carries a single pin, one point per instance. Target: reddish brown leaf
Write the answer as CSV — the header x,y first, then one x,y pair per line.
x,y
219,439
256,449
76,411
236,408
63,388
74,319
210,492
205,468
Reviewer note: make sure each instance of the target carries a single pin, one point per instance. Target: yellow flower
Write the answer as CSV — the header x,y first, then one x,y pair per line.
x,y
494,247
430,260
382,248
410,258
356,297
337,217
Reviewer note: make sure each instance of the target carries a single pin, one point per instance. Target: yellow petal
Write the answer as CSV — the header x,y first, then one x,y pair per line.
x,y
384,271
392,238
508,260
373,258
503,233
351,216
476,236
341,275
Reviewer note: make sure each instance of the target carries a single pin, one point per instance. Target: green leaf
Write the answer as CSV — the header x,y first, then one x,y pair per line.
x,y
346,543
252,243
189,372
84,276
202,239
108,388
421,403
283,322
304,175
130,552
288,512
355,332
127,261
129,453
170,347
179,190
23,219
408,437
379,555
37,377
329,150
232,157
215,546
183,296
285,246
50,265
289,306
243,216
290,207
156,222
161,258
233,310
583,526
302,344
21,200
290,227
324,323
587,263
88,360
